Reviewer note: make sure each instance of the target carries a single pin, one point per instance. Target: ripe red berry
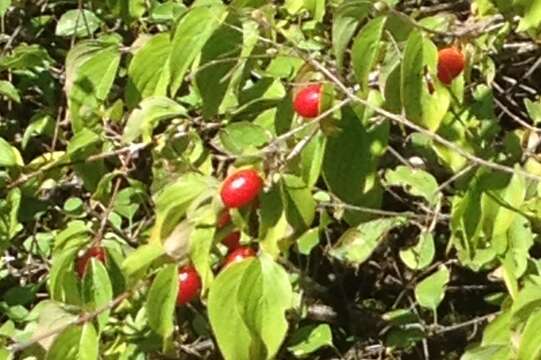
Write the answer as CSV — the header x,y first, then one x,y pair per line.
x,y
96,252
451,63
189,285
241,188
307,101
232,241
242,253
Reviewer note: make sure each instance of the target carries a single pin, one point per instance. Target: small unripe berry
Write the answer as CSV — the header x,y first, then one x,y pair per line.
x,y
240,254
241,188
307,102
96,252
189,285
451,63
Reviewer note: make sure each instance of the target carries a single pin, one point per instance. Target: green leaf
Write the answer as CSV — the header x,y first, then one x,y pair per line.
x,y
80,142
355,151
129,10
5,354
51,315
309,339
9,155
173,201
140,259
148,115
311,160
194,28
79,23
9,217
97,291
534,110
430,292
530,347
7,89
345,22
248,3
91,68
243,137
25,57
421,107
526,303
129,199
75,343
40,124
161,300
412,77
215,67
416,182
365,49
201,241
307,241
392,91
250,297
149,72
300,204
520,239
498,331
421,255
273,227
503,195
168,11
492,352
284,66
82,145
532,16
4,6
405,337
62,278
357,244
74,236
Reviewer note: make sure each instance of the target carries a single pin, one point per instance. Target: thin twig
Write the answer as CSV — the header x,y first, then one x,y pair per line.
x,y
440,329
515,117
133,148
373,211
404,121
17,347
395,117
107,212
454,178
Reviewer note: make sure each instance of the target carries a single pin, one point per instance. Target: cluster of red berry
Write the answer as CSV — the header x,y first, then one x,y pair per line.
x,y
243,187
238,190
451,63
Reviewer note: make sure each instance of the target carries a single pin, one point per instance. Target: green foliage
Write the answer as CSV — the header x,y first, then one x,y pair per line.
x,y
160,305
430,292
409,211
250,297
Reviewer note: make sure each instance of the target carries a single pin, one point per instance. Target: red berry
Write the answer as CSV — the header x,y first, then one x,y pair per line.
x,y
240,254
307,101
96,252
241,188
232,241
189,285
451,63
223,219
